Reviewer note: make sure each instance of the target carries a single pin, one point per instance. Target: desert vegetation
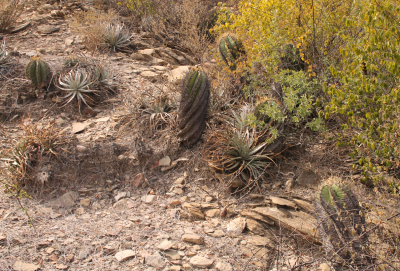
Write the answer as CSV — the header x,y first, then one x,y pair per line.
x,y
281,116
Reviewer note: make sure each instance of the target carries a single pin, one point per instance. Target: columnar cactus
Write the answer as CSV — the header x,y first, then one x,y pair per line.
x,y
230,50
342,226
38,72
193,106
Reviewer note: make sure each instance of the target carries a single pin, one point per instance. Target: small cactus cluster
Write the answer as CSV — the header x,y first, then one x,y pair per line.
x,y
230,49
342,226
193,106
38,72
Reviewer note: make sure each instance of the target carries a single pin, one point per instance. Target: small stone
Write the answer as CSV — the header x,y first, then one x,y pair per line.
x,y
259,241
156,261
57,13
148,198
193,238
184,198
217,234
196,247
178,73
124,204
237,225
47,29
212,212
254,226
180,180
49,250
124,255
175,268
85,202
175,202
186,267
83,254
324,267
120,195
178,191
66,201
78,127
70,257
165,245
282,202
138,180
223,266
53,258
149,74
62,266
164,162
21,266
172,255
308,179
290,184
194,213
200,262
81,149
209,199
69,41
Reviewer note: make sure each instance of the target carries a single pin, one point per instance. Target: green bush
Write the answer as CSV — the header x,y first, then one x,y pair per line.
x,y
367,95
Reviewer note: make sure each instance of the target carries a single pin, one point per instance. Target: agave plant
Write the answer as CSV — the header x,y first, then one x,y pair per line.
x,y
77,84
342,226
104,76
116,36
160,110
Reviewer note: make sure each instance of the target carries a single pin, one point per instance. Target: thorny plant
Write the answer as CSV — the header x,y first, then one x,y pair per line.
x,y
37,142
77,84
160,111
105,76
240,150
116,36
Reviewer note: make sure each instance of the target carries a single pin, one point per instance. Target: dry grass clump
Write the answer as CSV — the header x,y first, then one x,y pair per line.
x,y
10,10
177,24
87,24
38,143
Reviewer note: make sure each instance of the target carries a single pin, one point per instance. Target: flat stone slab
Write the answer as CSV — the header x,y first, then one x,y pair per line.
x,y
124,255
193,238
21,266
200,262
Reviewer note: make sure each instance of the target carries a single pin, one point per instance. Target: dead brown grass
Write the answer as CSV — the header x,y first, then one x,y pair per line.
x,y
92,24
10,11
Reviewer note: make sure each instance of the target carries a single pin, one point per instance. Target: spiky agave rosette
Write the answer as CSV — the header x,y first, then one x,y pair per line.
x,y
342,226
193,106
77,83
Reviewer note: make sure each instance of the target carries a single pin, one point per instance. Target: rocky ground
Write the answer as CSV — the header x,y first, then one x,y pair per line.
x,y
127,196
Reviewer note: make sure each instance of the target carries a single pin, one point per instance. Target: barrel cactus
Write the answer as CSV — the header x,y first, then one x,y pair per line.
x,y
38,72
230,49
193,106
342,226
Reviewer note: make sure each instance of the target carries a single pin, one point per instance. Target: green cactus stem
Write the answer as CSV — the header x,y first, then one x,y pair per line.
x,y
38,72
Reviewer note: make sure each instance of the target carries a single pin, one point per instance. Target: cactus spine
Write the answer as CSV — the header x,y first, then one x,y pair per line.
x,y
193,106
38,72
342,226
230,50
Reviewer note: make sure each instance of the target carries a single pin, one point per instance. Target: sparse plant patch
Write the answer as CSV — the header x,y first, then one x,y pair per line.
x,y
116,36
10,11
38,141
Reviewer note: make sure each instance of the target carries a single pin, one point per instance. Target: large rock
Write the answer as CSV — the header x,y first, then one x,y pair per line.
x,y
297,221
177,74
